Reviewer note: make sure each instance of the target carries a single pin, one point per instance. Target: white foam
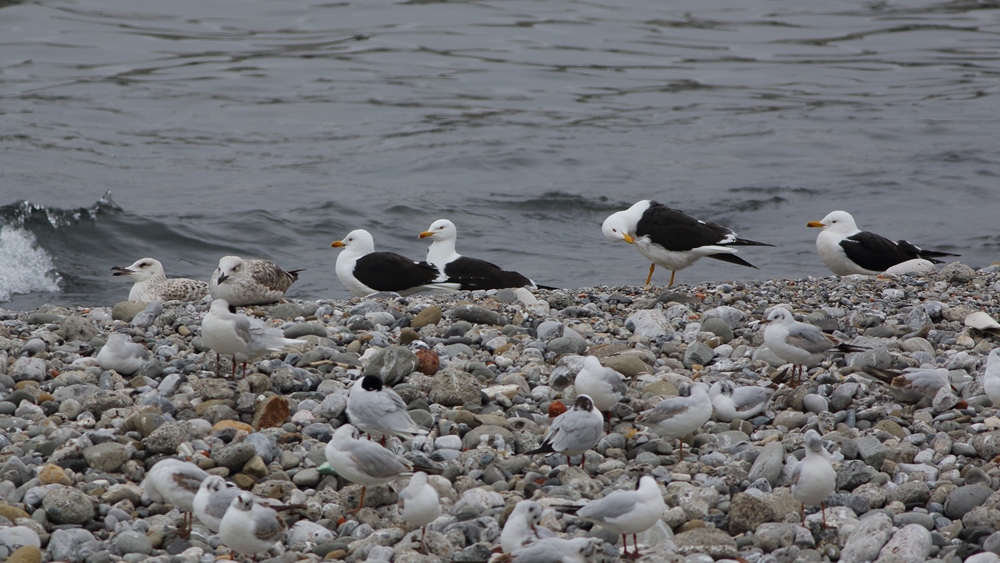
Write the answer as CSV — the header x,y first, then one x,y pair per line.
x,y
24,266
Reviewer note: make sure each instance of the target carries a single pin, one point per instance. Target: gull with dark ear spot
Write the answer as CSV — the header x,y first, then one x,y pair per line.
x,y
523,526
676,417
731,402
249,527
845,249
245,338
574,431
627,512
243,282
175,482
419,504
151,283
800,344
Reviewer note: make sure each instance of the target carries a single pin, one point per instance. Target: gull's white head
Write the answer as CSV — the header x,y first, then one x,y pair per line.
x,y
244,502
358,242
442,229
616,227
780,316
837,222
230,269
592,363
117,340
220,306
814,443
530,510
141,270
213,484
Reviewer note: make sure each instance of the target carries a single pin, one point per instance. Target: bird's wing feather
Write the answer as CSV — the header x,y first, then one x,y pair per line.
x,y
809,338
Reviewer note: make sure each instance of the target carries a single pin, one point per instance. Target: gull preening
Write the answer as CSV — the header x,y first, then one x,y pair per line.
x,y
419,504
244,338
627,512
813,478
845,249
244,282
574,431
730,402
175,482
523,526
249,527
603,385
364,462
364,271
151,283
672,239
801,344
122,355
469,273
378,410
676,417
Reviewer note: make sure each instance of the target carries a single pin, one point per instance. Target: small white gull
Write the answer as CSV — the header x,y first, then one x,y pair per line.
x,y
523,526
244,338
813,478
419,503
800,344
676,417
122,355
627,512
378,410
574,431
249,527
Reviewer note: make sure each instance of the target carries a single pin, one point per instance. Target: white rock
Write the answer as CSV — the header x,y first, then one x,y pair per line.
x,y
867,539
911,543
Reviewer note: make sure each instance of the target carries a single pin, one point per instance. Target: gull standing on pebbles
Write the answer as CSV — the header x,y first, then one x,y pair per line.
x,y
991,377
627,512
522,527
216,495
419,504
176,482
731,402
845,249
378,410
813,478
250,282
250,527
676,417
800,344
574,431
364,462
604,386
672,239
151,283
245,338
122,355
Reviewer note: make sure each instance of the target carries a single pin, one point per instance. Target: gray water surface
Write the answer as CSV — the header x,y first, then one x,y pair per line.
x,y
270,129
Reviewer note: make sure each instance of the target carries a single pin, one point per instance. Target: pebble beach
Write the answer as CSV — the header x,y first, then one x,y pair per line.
x,y
917,476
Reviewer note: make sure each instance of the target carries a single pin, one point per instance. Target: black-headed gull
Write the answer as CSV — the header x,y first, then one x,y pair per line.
x,y
813,478
175,482
523,526
249,527
419,503
627,512
574,431
800,344
676,417
243,337
378,410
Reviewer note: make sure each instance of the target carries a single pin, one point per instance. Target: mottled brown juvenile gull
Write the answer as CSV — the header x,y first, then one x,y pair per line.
x,y
244,282
151,283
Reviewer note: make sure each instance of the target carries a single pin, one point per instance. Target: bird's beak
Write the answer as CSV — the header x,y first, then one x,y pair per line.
x,y
222,278
337,244
628,238
426,234
815,224
119,271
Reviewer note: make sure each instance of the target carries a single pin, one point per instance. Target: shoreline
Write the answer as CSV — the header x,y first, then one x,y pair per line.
x,y
920,477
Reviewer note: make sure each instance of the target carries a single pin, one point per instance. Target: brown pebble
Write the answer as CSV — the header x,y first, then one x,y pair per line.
x,y
26,554
52,473
271,413
427,361
223,424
